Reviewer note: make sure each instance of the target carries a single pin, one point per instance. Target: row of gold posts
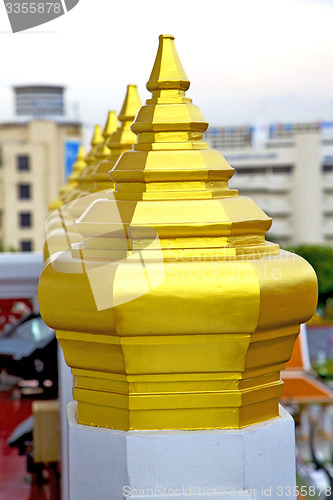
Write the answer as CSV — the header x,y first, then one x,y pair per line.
x,y
90,175
91,171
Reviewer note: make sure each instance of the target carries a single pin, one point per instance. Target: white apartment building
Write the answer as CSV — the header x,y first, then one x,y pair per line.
x,y
290,178
36,154
32,170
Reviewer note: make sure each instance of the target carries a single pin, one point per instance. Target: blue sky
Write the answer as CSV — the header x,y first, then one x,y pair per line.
x,y
249,62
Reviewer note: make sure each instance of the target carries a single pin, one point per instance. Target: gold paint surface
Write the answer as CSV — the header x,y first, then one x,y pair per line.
x,y
173,311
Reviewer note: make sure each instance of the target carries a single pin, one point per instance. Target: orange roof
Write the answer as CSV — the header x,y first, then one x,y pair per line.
x,y
301,387
296,360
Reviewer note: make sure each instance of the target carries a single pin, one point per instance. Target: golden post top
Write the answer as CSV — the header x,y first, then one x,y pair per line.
x,y
120,141
174,312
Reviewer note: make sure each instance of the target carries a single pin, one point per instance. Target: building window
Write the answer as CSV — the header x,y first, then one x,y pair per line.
x,y
251,170
264,170
282,170
328,168
23,162
24,192
25,219
26,246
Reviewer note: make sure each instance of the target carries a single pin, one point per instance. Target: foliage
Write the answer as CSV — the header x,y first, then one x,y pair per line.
x,y
10,249
321,259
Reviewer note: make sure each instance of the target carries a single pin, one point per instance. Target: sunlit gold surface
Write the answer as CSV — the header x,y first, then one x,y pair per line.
x,y
64,191
175,313
119,142
101,153
60,225
84,180
79,165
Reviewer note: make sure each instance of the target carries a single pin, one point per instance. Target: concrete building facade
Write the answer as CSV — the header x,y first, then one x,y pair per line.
x,y
290,177
32,170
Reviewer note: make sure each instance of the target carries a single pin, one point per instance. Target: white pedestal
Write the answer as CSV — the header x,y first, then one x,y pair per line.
x,y
255,462
65,396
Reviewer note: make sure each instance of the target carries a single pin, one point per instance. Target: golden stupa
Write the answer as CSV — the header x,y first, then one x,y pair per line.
x,y
174,312
78,166
84,180
120,141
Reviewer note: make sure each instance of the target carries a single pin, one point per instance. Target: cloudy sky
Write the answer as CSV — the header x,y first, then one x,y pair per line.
x,y
249,62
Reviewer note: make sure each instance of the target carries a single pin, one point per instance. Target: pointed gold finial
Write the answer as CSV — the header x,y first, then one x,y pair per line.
x,y
120,141
131,104
97,137
180,125
72,181
79,164
84,176
80,159
71,184
102,151
111,125
167,72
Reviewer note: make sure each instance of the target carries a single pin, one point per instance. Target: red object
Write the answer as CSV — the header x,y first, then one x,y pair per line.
x,y
15,482
12,310
12,466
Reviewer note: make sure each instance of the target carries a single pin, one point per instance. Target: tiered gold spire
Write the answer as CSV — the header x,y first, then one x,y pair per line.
x,y
175,313
120,141
73,194
111,125
64,191
79,165
84,179
96,140
102,151
175,184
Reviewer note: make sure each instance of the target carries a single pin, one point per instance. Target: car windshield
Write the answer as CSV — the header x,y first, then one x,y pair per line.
x,y
34,330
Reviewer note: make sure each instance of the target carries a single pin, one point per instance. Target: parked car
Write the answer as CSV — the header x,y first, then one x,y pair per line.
x,y
29,350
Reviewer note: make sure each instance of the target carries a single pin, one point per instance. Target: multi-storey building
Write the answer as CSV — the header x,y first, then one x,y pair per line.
x,y
290,178
34,157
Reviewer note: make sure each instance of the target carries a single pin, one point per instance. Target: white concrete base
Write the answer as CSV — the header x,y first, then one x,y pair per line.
x,y
255,462
65,396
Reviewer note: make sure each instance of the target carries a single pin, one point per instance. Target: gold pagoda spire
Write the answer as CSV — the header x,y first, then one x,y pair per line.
x,y
167,72
171,164
102,150
120,141
111,125
64,191
84,177
96,139
79,165
174,312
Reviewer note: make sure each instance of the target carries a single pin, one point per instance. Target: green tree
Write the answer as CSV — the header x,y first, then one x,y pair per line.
x,y
321,259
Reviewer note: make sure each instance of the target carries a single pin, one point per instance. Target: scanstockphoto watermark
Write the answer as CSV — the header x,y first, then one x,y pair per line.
x,y
262,492
219,271
227,268
188,491
25,14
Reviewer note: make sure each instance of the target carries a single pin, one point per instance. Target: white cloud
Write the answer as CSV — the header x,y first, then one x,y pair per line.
x,y
238,54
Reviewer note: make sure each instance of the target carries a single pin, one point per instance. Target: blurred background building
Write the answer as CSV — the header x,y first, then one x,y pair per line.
x,y
289,175
37,151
